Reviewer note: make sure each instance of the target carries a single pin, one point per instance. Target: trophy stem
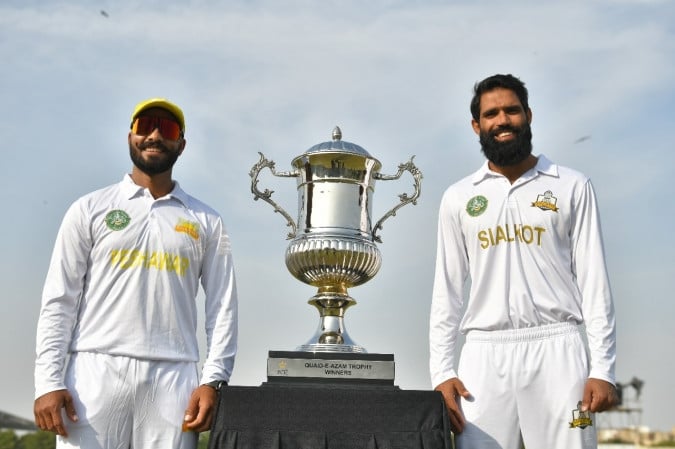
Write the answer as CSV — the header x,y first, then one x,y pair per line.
x,y
331,334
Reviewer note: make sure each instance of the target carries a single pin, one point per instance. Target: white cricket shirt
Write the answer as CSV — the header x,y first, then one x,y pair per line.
x,y
534,254
123,280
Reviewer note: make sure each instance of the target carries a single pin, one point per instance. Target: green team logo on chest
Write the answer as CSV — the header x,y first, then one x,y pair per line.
x,y
476,205
117,219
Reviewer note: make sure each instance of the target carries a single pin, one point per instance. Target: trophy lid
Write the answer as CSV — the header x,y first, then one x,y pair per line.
x,y
337,145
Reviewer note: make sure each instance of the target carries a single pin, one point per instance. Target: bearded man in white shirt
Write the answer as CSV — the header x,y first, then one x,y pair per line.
x,y
117,348
526,233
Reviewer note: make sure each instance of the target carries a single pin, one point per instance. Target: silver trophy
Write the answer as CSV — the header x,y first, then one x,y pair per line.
x,y
333,240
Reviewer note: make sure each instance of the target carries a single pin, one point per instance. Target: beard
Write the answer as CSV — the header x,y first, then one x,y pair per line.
x,y
505,154
155,165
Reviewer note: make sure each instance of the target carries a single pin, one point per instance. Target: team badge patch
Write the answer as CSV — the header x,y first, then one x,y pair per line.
x,y
117,219
476,205
189,227
546,201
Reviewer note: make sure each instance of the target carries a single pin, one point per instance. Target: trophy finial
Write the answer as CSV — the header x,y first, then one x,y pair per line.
x,y
337,133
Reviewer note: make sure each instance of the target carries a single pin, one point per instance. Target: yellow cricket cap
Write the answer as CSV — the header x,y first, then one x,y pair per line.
x,y
160,103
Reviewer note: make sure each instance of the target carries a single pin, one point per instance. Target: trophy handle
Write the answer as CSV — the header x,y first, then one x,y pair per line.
x,y
405,199
267,194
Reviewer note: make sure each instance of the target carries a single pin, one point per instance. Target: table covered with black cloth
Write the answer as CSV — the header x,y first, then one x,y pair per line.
x,y
329,417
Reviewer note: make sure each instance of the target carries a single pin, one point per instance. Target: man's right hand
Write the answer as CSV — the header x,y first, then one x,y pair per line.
x,y
47,410
452,390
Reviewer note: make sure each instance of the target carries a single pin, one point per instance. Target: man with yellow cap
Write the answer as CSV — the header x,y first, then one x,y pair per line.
x,y
117,347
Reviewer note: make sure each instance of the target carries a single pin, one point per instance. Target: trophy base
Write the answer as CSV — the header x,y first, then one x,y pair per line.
x,y
331,334
284,367
331,347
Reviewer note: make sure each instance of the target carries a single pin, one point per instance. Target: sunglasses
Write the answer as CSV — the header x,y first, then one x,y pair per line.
x,y
145,125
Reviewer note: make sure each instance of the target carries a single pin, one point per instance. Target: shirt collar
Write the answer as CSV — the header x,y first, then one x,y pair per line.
x,y
544,167
130,189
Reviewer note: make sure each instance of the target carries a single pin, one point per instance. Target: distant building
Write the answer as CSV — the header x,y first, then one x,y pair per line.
x,y
9,421
635,437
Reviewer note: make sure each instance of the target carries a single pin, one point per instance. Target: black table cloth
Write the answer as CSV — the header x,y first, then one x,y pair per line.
x,y
329,417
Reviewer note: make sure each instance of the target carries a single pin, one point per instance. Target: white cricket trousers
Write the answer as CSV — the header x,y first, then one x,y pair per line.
x,y
525,384
127,403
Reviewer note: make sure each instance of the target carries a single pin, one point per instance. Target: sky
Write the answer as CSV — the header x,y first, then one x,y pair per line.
x,y
275,77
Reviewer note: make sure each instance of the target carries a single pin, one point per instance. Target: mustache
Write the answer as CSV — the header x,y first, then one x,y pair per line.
x,y
502,128
157,145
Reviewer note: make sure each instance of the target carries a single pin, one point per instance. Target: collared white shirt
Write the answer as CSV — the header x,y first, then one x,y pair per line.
x,y
124,278
533,253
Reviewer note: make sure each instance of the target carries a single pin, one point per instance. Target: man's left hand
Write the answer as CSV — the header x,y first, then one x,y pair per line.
x,y
201,409
599,395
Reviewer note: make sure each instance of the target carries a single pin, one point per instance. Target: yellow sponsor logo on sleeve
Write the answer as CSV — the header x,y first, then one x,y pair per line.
x,y
133,258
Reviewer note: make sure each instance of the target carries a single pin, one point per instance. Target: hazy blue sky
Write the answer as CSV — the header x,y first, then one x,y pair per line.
x,y
396,76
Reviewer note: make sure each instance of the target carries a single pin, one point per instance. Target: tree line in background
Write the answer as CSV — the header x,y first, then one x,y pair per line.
x,y
32,440
46,440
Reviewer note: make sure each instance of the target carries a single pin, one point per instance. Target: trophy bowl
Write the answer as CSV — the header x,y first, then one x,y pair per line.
x,y
333,239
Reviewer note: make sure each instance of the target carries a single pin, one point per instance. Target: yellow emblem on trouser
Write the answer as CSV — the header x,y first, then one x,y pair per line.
x,y
580,419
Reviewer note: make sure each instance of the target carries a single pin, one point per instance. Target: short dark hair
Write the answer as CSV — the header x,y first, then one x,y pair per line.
x,y
509,82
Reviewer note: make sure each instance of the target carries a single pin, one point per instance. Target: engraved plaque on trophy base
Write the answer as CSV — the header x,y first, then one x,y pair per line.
x,y
330,368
